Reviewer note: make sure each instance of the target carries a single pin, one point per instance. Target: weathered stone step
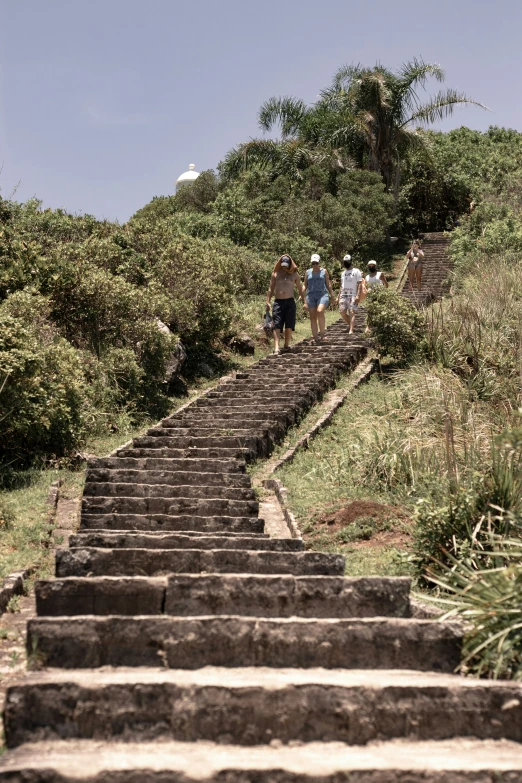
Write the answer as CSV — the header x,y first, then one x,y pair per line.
x,y
234,641
87,761
300,395
86,561
186,595
288,596
249,440
211,431
170,477
287,408
143,490
132,540
194,453
165,522
260,421
201,507
189,464
103,595
250,706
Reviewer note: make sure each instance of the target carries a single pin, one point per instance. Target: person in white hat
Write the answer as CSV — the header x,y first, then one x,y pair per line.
x,y
350,293
284,278
317,285
375,279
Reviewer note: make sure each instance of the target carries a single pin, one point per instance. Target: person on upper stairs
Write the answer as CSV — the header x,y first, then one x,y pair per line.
x,y
351,291
317,286
284,278
415,258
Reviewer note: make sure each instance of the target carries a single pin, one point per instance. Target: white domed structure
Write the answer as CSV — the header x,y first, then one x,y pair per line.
x,y
187,176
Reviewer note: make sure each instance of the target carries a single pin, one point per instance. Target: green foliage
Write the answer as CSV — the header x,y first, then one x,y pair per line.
x,y
451,518
397,326
439,182
44,399
486,592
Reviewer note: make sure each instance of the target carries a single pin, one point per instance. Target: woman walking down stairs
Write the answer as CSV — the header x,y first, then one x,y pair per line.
x,y
180,643
435,274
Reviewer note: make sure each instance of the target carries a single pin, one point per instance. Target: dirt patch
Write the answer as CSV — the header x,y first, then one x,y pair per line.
x,y
359,509
363,524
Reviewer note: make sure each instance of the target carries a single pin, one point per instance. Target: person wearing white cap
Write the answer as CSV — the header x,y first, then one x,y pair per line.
x,y
284,278
350,293
375,279
317,285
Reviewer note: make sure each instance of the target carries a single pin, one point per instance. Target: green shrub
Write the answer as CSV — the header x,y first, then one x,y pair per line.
x,y
451,517
488,597
397,326
44,399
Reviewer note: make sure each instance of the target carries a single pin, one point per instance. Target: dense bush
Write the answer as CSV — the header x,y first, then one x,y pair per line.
x,y
44,397
461,166
397,326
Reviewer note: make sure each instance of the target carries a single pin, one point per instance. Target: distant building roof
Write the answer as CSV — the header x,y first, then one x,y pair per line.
x,y
187,176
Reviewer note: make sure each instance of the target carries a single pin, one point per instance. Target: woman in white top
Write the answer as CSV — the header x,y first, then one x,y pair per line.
x,y
375,279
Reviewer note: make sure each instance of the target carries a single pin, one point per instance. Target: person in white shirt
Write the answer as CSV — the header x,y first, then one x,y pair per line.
x,y
375,279
350,293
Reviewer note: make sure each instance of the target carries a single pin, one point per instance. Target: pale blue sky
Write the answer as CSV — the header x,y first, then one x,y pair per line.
x,y
103,103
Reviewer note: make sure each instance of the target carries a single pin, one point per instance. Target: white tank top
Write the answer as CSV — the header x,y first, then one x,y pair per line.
x,y
371,282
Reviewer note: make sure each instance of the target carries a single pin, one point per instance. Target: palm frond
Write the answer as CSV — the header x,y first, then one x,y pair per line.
x,y
416,71
287,112
441,106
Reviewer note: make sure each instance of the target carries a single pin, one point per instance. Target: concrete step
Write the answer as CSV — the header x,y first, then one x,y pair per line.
x,y
164,522
234,641
250,706
187,595
124,540
146,490
189,464
169,477
87,561
397,761
203,507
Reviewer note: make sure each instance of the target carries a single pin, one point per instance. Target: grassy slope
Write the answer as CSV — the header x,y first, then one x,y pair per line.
x,y
321,481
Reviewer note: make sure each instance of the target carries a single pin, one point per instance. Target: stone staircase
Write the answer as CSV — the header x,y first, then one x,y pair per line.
x,y
435,274
179,643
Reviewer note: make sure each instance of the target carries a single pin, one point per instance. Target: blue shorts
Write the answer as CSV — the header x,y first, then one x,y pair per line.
x,y
314,300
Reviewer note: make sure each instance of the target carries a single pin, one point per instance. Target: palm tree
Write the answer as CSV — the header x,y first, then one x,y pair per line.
x,y
381,117
304,142
372,116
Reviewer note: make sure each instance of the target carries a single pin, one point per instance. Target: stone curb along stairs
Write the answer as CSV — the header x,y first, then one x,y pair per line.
x,y
179,643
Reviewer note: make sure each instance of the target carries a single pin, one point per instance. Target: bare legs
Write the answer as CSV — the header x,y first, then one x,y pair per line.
x,y
317,321
418,275
348,317
277,338
415,276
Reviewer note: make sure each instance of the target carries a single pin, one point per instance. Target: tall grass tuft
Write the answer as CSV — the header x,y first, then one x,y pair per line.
x,y
485,590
